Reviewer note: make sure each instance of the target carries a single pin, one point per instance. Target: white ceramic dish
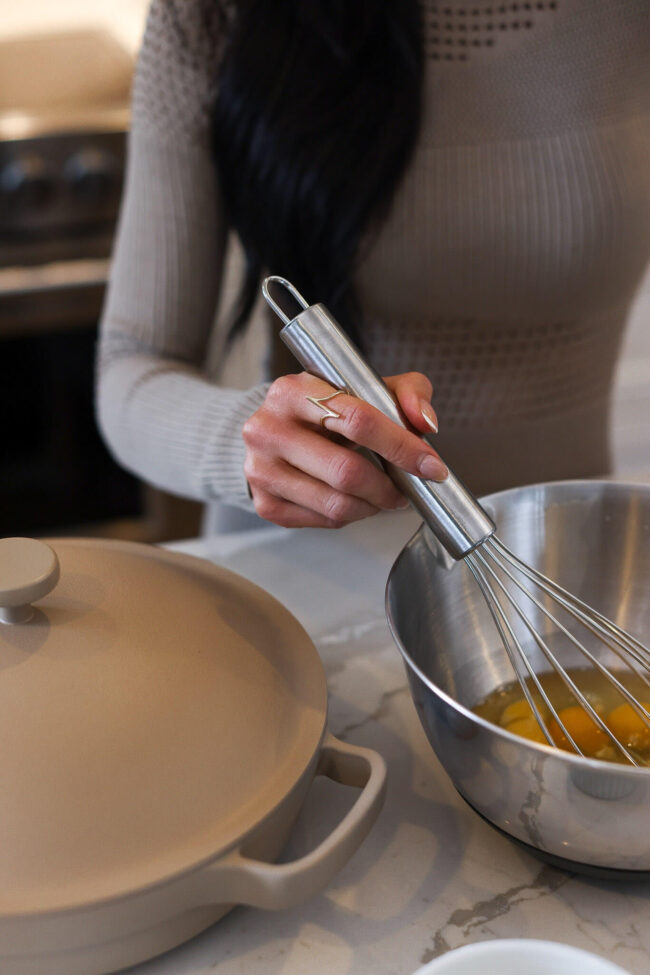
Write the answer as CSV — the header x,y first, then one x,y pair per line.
x,y
520,956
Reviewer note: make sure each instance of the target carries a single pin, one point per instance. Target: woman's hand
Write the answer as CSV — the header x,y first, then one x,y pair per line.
x,y
302,473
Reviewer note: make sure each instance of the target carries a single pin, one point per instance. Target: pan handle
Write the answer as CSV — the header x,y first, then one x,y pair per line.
x,y
238,879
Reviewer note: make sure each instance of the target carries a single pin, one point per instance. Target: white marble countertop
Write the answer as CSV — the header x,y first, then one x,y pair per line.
x,y
431,875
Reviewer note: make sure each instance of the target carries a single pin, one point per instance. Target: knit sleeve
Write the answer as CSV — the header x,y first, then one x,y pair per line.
x,y
159,414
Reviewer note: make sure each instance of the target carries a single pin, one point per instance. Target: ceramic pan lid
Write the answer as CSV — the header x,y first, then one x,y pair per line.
x,y
153,710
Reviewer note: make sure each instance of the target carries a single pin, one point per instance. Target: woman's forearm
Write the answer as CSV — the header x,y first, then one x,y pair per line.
x,y
160,415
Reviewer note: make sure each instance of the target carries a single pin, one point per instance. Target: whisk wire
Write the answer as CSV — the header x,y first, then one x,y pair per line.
x,y
494,604
487,550
535,576
553,660
502,623
600,625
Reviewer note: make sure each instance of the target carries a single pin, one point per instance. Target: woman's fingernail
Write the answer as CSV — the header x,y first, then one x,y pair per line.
x,y
429,415
431,468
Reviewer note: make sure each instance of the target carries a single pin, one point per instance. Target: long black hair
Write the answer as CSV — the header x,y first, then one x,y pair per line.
x,y
317,114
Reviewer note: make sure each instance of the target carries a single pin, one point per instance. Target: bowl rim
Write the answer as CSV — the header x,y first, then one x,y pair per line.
x,y
493,948
580,761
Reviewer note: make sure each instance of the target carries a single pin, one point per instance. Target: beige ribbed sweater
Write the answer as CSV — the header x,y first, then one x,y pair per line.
x,y
504,271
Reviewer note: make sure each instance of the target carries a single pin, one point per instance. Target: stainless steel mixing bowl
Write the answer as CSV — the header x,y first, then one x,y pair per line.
x,y
594,539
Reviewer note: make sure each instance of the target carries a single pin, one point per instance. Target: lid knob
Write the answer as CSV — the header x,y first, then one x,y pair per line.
x,y
29,569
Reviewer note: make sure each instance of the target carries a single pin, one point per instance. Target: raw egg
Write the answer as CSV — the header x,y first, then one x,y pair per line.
x,y
527,728
520,710
588,736
628,727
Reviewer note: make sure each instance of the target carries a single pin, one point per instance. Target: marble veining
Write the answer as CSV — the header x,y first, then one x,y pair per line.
x,y
481,913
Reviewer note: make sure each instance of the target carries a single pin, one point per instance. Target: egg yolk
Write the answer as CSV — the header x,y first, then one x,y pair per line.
x,y
520,710
628,727
527,728
588,736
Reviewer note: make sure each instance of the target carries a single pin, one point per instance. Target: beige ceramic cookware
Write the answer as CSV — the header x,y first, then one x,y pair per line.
x,y
161,720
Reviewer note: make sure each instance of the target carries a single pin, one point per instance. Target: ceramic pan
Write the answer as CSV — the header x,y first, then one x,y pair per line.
x,y
161,722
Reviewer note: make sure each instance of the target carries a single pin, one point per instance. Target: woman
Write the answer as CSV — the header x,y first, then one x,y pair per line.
x,y
465,185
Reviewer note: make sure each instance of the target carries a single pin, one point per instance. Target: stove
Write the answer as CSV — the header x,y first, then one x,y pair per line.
x,y
64,115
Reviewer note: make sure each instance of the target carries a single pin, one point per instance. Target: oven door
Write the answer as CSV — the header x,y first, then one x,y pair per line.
x,y
56,474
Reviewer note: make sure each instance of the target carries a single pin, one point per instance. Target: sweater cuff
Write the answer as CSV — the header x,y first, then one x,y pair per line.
x,y
222,470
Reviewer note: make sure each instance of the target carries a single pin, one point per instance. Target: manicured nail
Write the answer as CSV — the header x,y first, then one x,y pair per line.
x,y
431,468
403,503
429,415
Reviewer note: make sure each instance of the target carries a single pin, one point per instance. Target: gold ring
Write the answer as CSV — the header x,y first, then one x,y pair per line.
x,y
320,402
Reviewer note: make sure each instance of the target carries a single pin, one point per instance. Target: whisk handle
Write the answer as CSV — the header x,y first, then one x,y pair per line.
x,y
323,349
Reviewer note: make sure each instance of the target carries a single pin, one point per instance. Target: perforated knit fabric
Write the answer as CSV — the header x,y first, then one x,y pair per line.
x,y
504,271
454,31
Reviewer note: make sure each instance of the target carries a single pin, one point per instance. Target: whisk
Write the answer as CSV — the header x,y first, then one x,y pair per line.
x,y
468,533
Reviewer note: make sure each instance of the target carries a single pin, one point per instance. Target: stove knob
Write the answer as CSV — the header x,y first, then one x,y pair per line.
x,y
27,183
93,175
